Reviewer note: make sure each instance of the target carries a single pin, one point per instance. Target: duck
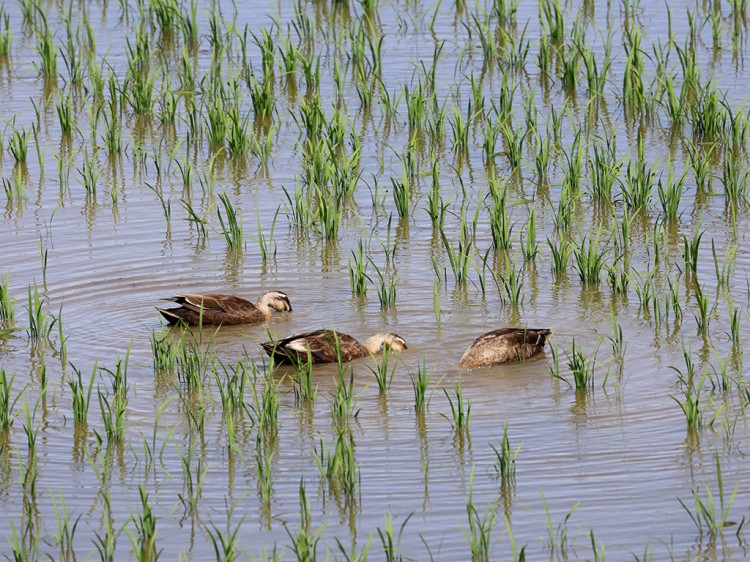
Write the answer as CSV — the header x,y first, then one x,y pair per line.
x,y
209,309
504,346
322,346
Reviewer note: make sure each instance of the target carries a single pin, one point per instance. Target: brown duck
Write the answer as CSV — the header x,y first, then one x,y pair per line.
x,y
503,346
224,309
322,346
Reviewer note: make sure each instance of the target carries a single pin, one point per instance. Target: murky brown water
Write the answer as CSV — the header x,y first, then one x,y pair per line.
x,y
620,453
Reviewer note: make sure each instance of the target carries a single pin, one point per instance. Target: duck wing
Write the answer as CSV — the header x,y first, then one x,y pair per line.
x,y
320,343
213,302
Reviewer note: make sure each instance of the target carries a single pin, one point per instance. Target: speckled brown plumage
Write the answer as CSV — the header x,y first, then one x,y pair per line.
x,y
322,346
504,346
223,309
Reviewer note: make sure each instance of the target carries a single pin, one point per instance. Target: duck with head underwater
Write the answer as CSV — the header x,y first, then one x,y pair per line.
x,y
325,346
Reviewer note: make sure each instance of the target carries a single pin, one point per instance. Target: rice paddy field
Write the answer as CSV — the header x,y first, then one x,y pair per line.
x,y
434,169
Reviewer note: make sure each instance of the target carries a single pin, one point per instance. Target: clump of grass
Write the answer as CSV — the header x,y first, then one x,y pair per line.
x,y
711,519
391,545
80,394
383,374
690,403
143,540
589,260
304,540
691,246
480,526
420,384
6,404
561,251
505,458
358,271
113,404
7,303
339,466
231,224
460,411
40,326
581,366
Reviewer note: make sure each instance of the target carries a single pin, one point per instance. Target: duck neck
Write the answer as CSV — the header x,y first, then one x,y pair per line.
x,y
262,305
374,344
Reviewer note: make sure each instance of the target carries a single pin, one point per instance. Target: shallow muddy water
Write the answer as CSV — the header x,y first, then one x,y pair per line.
x,y
617,458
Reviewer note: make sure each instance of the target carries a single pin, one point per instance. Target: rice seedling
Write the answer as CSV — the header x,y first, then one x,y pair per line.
x,y
81,395
264,454
267,246
639,181
46,49
460,131
89,172
700,163
706,113
671,193
6,37
65,535
107,543
304,540
690,251
703,316
62,107
589,260
734,325
344,401
193,476
711,519
460,411
514,145
386,286
479,535
570,64
420,384
690,404
40,326
266,406
633,88
113,405
339,467
736,181
501,228
166,206
512,283
143,540
231,224
461,255
239,138
6,404
561,251
358,277
18,145
401,195
581,366
226,542
724,271
529,246
391,547
505,458
383,374
199,222
7,303
304,389
618,276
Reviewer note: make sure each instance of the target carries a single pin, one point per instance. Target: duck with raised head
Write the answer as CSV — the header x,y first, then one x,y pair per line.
x,y
208,309
322,345
504,346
